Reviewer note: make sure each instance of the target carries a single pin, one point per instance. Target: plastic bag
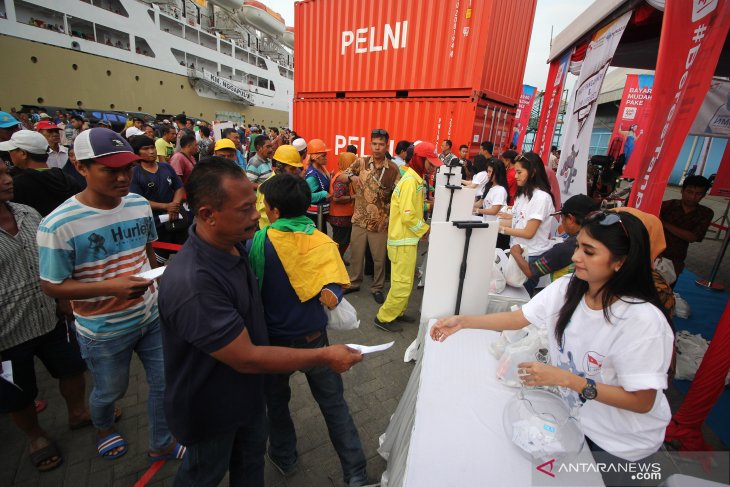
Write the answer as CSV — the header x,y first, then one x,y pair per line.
x,y
681,307
530,348
498,282
343,317
513,275
665,267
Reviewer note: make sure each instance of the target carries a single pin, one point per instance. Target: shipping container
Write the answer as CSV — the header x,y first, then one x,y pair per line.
x,y
340,123
412,48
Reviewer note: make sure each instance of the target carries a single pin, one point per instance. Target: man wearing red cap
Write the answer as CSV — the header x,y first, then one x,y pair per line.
x,y
405,228
57,154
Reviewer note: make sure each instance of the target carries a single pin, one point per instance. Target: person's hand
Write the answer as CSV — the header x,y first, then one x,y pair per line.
x,y
515,250
63,309
425,235
329,196
128,287
172,207
355,181
328,299
445,327
341,358
535,374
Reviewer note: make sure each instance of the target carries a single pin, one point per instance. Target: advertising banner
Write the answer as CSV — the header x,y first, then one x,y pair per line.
x,y
632,119
551,106
522,116
721,185
575,144
693,34
713,119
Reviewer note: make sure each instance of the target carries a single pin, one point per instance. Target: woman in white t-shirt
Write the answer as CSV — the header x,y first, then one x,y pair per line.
x,y
610,340
494,197
533,205
480,179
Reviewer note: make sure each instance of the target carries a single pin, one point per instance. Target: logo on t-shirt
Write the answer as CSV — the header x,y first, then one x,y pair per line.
x,y
96,244
592,362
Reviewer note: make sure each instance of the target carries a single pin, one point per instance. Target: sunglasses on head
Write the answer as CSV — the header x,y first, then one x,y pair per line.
x,y
605,219
379,133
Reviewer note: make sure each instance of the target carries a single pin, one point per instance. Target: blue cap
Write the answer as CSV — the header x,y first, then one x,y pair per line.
x,y
7,120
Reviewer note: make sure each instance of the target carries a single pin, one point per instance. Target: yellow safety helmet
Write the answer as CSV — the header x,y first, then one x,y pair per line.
x,y
288,154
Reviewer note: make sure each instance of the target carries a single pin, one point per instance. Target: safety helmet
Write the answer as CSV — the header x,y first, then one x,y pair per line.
x,y
288,154
316,146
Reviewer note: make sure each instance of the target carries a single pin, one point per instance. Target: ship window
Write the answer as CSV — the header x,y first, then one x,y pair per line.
x,y
171,26
111,37
111,5
208,41
271,85
82,29
141,47
226,48
37,16
263,83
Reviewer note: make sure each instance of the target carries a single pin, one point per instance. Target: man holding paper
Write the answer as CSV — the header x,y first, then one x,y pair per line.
x,y
215,337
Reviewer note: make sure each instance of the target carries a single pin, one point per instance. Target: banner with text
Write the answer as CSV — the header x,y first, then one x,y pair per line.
x,y
575,144
693,34
551,106
632,119
713,119
522,116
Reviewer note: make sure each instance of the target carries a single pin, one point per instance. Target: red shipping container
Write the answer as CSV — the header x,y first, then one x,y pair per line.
x,y
340,123
381,47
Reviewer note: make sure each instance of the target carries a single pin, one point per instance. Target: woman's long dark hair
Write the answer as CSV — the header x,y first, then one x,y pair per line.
x,y
499,175
480,164
632,280
532,163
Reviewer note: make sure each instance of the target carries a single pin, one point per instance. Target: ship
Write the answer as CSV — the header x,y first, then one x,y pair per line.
x,y
227,60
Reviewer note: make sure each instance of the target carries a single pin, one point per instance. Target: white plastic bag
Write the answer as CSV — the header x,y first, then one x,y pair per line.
x,y
343,317
665,268
681,307
531,348
513,275
498,282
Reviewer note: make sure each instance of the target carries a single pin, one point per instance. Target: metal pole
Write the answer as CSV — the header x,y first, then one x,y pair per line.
x,y
701,167
689,159
710,283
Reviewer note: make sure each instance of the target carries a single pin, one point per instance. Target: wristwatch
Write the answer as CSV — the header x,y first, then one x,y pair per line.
x,y
589,392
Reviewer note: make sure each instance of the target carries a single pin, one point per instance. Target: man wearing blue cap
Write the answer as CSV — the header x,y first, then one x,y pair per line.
x,y
8,126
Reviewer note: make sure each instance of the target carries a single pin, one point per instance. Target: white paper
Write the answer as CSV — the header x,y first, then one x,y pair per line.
x,y
164,218
365,349
7,372
152,273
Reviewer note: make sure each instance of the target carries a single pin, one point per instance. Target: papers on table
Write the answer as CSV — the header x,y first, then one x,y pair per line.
x,y
152,273
365,349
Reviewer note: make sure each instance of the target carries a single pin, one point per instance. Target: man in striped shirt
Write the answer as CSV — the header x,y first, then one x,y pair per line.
x,y
91,249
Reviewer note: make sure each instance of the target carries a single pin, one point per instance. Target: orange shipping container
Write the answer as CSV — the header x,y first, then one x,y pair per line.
x,y
409,48
343,122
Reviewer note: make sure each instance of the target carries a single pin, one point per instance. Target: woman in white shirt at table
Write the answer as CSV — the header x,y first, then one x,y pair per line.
x,y
610,339
533,205
494,197
480,179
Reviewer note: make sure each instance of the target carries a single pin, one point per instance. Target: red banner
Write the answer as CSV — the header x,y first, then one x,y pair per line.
x,y
550,106
632,120
693,34
522,116
721,185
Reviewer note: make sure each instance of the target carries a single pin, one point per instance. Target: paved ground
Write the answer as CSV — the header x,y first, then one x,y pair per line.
x,y
373,389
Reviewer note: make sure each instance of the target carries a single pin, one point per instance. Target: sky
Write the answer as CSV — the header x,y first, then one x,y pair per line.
x,y
550,13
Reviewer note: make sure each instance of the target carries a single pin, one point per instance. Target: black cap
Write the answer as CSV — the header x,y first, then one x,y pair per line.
x,y
578,205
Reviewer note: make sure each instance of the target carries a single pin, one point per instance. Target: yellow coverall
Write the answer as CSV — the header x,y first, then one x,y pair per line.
x,y
406,226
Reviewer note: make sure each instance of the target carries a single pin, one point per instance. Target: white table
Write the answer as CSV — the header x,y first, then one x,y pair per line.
x,y
447,429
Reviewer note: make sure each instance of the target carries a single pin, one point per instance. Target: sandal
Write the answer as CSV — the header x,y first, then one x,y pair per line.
x,y
45,454
105,446
177,452
87,422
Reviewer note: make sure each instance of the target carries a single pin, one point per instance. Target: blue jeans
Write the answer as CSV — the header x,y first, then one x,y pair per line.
x,y
531,283
108,362
328,391
240,451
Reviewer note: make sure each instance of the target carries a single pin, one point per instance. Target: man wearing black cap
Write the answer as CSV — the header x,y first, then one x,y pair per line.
x,y
558,261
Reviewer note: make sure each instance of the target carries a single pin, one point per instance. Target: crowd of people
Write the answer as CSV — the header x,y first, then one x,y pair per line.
x,y
242,225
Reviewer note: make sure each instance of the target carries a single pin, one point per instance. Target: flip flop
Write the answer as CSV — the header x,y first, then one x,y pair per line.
x,y
46,453
109,443
40,405
87,422
176,453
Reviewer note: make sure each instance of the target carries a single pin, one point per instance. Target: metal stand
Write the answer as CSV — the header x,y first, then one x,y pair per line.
x,y
468,226
721,222
452,188
710,283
